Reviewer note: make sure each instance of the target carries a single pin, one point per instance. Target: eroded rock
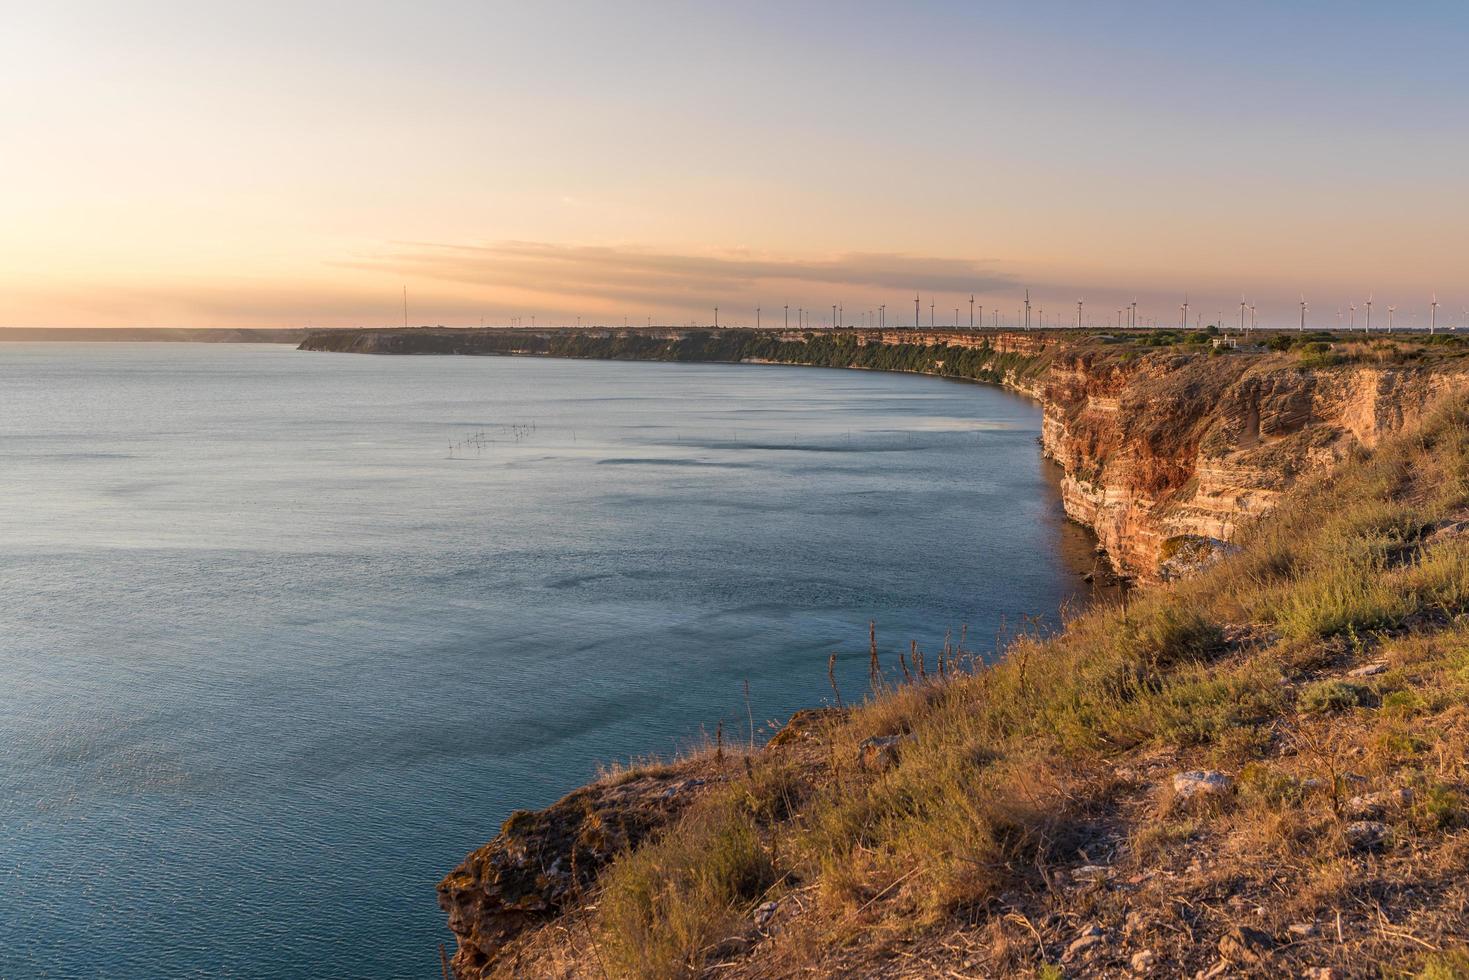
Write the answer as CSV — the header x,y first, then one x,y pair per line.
x,y
1372,805
1366,835
1201,784
543,861
880,752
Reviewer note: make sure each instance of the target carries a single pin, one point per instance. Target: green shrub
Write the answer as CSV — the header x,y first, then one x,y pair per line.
x,y
1451,964
1402,704
1323,697
1443,807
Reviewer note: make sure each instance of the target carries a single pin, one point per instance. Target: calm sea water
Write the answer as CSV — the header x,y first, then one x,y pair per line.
x,y
272,660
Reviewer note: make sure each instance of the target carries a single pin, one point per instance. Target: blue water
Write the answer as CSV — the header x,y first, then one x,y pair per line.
x,y
275,652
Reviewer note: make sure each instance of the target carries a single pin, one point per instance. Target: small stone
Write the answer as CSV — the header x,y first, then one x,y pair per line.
x,y
1371,805
1366,835
1369,670
682,787
1301,929
1201,783
880,752
764,913
1322,973
1245,945
1447,531
1092,873
1143,960
1081,946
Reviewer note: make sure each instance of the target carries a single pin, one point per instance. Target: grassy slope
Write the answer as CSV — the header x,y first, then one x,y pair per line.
x,y
965,854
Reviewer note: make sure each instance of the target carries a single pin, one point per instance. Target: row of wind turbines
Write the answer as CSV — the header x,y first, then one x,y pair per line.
x,y
1029,315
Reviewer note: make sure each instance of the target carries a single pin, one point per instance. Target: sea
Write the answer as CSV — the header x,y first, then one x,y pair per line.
x,y
284,635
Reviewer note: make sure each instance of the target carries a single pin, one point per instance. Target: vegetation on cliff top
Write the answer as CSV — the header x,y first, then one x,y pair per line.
x,y
835,349
1036,815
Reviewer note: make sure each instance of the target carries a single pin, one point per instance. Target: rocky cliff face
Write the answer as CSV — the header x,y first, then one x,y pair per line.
x,y
544,861
1165,450
1165,455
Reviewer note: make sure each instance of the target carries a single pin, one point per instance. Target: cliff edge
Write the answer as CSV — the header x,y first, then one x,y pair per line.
x,y
1258,770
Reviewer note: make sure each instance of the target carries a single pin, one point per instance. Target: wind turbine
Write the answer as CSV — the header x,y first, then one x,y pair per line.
x,y
971,311
1390,310
1351,316
1368,328
1183,324
1303,312
1433,315
1078,314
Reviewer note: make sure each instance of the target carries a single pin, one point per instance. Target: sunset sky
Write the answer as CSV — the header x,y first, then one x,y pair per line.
x,y
284,163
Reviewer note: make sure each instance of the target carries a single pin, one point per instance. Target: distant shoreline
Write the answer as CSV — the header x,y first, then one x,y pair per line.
x,y
188,335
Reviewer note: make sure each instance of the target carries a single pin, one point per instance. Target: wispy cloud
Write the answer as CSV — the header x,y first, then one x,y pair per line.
x,y
623,274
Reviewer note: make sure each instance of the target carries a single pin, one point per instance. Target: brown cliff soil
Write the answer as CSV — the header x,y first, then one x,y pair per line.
x,y
1260,770
1170,450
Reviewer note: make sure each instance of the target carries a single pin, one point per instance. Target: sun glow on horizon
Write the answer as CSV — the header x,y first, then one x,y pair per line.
x,y
206,164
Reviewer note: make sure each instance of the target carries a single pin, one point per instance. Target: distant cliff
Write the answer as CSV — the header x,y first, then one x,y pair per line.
x,y
1167,441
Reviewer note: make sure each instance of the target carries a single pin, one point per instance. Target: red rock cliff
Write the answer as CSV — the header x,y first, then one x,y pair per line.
x,y
1166,454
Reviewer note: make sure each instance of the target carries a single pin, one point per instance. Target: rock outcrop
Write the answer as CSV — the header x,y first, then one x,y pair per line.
x,y
1165,455
545,863
542,861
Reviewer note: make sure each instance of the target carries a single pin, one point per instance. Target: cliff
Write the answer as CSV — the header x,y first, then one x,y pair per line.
x,y
1260,770
1167,442
1256,768
1167,454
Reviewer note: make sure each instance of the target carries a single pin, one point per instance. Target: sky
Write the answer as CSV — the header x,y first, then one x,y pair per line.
x,y
211,164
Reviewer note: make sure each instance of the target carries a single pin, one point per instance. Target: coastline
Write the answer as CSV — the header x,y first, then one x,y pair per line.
x,y
1168,443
